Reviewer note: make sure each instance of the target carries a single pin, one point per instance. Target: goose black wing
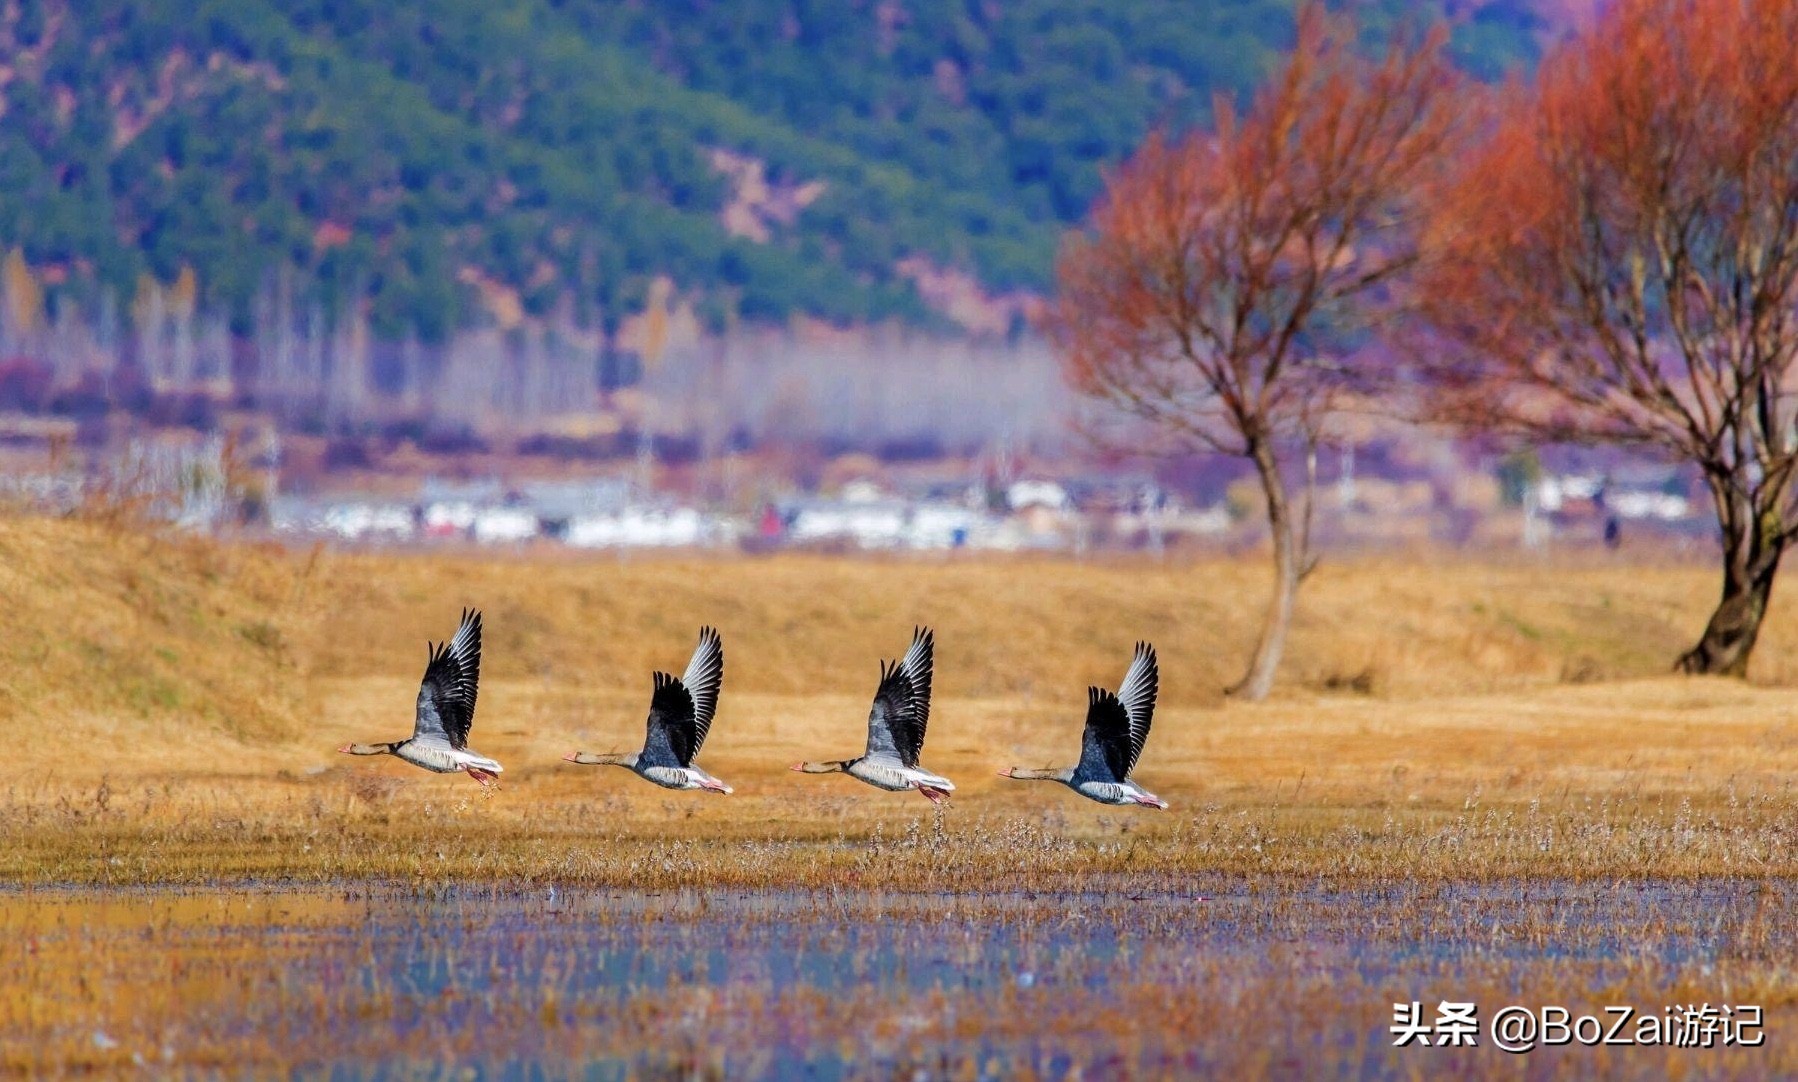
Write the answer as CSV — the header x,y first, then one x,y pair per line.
x,y
892,721
703,679
1142,683
1105,745
669,741
919,666
680,712
1118,724
446,696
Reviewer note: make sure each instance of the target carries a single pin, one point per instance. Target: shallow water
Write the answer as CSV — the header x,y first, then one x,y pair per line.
x,y
1281,978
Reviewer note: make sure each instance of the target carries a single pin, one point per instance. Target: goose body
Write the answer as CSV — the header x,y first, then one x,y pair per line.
x,y
445,711
439,758
680,716
896,779
896,725
1116,728
1105,792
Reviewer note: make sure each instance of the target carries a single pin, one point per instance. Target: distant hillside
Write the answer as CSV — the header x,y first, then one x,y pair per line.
x,y
817,157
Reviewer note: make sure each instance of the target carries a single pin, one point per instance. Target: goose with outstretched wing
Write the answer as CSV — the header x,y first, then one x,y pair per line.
x,y
1116,728
896,725
680,715
445,710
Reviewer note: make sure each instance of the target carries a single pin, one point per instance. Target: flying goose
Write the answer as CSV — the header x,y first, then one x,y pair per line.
x,y
896,728
680,714
1116,726
445,710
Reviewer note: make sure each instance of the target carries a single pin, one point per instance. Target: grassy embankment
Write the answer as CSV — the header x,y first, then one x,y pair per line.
x,y
170,709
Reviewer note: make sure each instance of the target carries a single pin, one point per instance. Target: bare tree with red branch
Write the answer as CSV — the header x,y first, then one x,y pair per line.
x,y
1619,264
1220,267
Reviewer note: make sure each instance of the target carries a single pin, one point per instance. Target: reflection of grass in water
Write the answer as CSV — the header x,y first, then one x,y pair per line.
x,y
1140,976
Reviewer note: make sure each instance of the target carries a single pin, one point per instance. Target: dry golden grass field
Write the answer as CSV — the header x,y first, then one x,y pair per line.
x,y
1447,732
171,709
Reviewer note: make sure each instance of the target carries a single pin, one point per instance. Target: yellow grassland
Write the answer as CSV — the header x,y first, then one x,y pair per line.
x,y
169,709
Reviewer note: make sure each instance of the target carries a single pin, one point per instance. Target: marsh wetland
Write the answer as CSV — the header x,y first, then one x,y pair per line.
x,y
1207,974
1495,796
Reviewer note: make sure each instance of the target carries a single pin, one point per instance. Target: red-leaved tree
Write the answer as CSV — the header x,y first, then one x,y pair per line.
x,y
1220,268
1619,263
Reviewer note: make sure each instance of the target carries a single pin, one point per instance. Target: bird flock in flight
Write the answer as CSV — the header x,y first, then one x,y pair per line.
x,y
681,711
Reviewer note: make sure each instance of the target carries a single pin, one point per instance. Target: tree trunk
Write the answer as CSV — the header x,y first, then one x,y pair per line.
x,y
1259,679
1729,637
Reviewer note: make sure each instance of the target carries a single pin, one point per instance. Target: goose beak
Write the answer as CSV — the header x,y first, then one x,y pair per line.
x,y
345,749
572,757
797,766
1006,773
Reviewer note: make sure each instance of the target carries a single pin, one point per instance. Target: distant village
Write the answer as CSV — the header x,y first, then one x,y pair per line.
x,y
1030,514
1402,493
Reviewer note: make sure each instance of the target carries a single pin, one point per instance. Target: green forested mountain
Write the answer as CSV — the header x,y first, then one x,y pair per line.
x,y
564,148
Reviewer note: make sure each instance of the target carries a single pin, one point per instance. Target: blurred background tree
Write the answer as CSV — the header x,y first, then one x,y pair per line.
x,y
1209,297
1619,264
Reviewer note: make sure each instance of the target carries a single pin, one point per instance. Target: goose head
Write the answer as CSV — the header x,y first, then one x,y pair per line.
x,y
587,758
821,768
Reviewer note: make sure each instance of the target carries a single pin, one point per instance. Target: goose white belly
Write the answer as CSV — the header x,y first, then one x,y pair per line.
x,y
681,777
896,778
443,759
1105,792
1113,792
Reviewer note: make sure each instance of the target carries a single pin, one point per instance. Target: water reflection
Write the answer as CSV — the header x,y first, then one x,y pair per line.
x,y
376,980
